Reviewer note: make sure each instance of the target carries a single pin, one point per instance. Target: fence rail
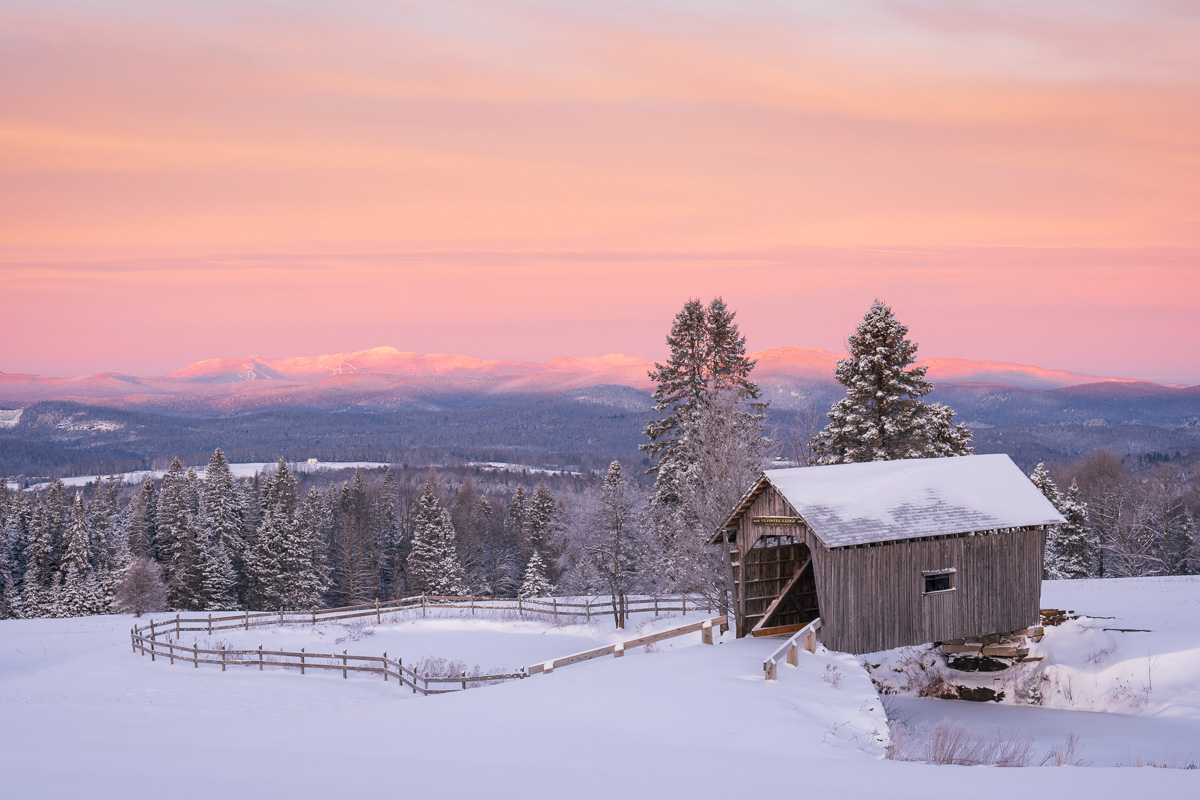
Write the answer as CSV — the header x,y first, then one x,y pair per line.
x,y
807,634
160,639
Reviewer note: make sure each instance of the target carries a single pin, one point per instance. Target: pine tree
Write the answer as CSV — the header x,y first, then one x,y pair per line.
x,y
141,522
110,552
391,539
543,518
1075,547
433,563
882,416
1040,477
535,583
79,591
312,582
277,557
710,409
180,540
38,597
708,358
222,525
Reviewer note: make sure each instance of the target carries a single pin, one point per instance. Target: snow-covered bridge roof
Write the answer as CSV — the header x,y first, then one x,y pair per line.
x,y
879,501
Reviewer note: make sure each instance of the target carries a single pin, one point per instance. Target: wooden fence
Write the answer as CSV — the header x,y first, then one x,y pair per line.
x,y
161,638
807,635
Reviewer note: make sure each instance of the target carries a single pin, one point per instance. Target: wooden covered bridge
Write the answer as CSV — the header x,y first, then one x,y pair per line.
x,y
890,553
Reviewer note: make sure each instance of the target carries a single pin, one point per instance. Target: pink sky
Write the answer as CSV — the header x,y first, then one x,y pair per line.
x,y
1020,180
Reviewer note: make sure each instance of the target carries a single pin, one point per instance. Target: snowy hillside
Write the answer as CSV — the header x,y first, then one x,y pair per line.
x,y
81,710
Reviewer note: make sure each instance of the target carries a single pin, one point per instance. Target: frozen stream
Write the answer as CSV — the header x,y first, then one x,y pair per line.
x,y
1105,740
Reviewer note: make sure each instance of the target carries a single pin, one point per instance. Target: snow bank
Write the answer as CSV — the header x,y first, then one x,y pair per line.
x,y
1132,655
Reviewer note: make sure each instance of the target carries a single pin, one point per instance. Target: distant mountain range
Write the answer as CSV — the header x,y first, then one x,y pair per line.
x,y
566,413
385,377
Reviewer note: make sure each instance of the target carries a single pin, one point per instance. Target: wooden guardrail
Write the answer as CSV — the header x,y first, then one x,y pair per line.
x,y
807,634
617,649
161,639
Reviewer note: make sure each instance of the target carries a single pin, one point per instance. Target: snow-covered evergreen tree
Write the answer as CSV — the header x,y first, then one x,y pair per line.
x,y
433,564
316,522
277,557
1040,477
141,522
708,356
882,416
703,392
110,547
38,592
79,595
542,521
1075,548
180,540
222,523
391,539
536,584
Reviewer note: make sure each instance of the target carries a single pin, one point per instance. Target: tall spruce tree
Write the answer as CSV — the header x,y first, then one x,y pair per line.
x,y
222,519
711,412
180,541
1076,549
79,595
1040,477
433,563
277,557
707,359
882,416
141,522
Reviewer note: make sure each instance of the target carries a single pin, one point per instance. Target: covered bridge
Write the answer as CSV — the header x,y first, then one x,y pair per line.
x,y
890,553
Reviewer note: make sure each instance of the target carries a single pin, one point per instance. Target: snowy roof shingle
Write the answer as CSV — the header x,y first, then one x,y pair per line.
x,y
880,501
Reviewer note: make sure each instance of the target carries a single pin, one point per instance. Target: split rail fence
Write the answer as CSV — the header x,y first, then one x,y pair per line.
x,y
162,638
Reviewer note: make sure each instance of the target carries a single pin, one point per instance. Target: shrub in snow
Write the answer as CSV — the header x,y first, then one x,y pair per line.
x,y
141,588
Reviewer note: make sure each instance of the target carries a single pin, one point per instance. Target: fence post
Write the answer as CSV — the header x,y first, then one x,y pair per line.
x,y
133,638
314,616
587,608
378,621
555,610
706,632
301,660
618,650
520,607
684,599
281,616
385,666
247,619
195,655
170,651
422,604
176,626
472,605
464,679
222,658
210,624
343,664
260,669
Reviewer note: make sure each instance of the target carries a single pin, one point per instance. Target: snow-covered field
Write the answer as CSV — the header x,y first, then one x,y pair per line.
x,y
82,714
